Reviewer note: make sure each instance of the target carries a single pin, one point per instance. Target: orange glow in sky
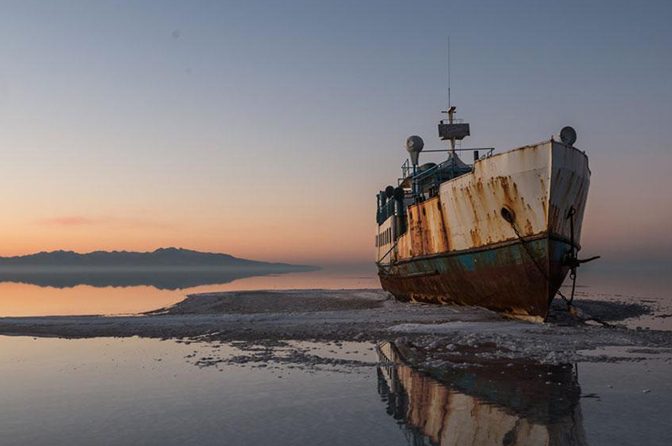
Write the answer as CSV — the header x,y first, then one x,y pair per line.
x,y
265,133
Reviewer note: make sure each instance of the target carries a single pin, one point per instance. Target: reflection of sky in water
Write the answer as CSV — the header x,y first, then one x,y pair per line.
x,y
650,287
141,391
21,299
138,391
18,299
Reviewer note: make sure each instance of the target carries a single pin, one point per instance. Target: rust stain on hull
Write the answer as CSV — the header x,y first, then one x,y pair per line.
x,y
505,278
427,231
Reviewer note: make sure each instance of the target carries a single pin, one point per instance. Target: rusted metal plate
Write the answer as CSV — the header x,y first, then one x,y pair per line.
x,y
509,278
518,180
426,230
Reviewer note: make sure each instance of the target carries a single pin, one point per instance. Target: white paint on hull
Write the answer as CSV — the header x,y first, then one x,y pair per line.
x,y
538,184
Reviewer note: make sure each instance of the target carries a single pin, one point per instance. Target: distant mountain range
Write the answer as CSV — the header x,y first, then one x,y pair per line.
x,y
163,258
166,268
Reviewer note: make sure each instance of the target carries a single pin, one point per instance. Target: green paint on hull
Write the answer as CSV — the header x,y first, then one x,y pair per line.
x,y
513,278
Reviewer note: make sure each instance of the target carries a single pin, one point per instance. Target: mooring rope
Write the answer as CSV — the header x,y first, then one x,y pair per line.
x,y
534,260
569,302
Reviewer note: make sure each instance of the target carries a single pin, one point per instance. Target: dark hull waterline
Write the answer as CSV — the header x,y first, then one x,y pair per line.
x,y
518,278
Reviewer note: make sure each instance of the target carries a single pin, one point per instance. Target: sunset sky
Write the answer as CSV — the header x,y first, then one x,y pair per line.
x,y
264,129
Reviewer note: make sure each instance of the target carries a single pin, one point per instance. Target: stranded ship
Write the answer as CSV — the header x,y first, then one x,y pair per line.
x,y
501,233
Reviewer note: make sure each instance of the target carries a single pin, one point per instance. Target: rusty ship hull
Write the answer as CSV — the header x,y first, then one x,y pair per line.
x,y
496,237
502,278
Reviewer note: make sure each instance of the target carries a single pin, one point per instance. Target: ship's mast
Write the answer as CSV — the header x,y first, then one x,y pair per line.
x,y
451,130
451,109
451,112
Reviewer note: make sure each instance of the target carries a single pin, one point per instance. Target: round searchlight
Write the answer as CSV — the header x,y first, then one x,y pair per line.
x,y
414,145
568,135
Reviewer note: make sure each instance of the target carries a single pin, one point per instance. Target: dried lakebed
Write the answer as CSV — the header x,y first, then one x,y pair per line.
x,y
275,326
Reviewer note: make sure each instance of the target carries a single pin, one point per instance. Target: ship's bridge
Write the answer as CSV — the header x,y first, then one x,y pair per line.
x,y
429,176
422,182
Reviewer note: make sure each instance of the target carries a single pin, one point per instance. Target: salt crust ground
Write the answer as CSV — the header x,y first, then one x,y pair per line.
x,y
268,324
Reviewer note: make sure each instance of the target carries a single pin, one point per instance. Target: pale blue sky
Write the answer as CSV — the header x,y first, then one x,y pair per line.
x,y
183,123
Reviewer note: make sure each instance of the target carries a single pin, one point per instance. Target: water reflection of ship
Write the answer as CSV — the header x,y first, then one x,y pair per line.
x,y
500,404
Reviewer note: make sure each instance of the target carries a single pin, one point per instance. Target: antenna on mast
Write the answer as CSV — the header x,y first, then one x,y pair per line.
x,y
452,131
449,103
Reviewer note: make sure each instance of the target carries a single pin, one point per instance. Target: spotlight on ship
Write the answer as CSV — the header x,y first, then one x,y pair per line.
x,y
568,135
414,145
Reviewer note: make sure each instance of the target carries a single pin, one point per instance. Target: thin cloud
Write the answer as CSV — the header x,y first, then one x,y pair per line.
x,y
70,220
80,220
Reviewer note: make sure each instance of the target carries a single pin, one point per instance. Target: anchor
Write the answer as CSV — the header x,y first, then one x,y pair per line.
x,y
571,258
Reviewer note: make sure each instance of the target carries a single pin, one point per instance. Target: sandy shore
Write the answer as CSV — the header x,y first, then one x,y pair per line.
x,y
271,317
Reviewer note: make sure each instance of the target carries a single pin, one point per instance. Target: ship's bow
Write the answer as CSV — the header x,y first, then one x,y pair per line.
x,y
568,193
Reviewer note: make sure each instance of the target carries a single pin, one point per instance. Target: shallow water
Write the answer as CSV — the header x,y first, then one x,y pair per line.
x,y
141,391
652,287
51,297
144,391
